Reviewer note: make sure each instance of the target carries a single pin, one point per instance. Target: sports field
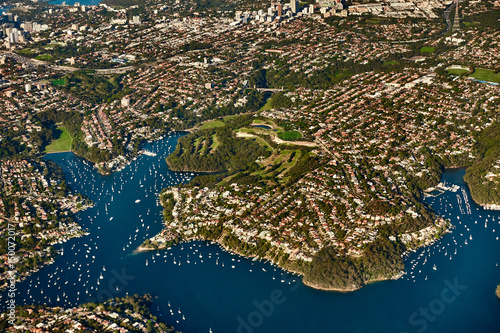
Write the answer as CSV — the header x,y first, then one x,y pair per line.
x,y
63,143
290,135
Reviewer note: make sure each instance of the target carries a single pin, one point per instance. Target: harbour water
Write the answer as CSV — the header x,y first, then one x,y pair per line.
x,y
72,2
448,287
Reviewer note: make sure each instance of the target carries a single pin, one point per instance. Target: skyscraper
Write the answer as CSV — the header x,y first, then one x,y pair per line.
x,y
293,6
13,37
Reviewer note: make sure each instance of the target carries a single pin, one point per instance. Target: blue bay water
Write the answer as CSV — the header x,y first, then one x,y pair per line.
x,y
72,2
197,286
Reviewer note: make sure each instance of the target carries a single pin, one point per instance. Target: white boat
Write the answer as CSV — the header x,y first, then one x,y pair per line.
x,y
434,267
138,200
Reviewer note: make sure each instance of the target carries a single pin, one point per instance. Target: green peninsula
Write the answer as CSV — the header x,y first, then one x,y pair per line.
x,y
483,176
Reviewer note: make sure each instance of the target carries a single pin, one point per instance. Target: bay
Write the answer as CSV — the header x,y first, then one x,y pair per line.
x,y
196,287
72,2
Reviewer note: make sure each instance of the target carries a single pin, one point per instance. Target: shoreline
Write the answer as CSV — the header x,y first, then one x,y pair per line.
x,y
348,290
124,161
167,240
57,152
309,284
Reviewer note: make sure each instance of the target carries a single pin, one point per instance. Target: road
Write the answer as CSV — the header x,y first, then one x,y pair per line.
x,y
34,63
278,140
446,15
268,89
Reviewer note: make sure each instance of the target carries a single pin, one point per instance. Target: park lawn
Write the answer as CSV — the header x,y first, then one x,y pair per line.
x,y
213,124
26,51
245,130
457,71
52,46
267,122
256,138
391,62
427,49
266,106
263,143
197,144
283,169
290,135
257,131
470,24
275,159
59,82
231,117
215,143
43,57
62,144
484,74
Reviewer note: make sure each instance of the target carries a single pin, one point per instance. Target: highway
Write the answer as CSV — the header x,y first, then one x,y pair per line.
x,y
34,63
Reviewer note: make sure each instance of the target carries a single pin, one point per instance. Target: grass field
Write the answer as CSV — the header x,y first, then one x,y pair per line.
x,y
26,51
43,57
290,135
427,49
266,106
470,24
279,159
212,124
486,75
457,71
389,63
231,117
59,82
215,143
52,46
197,143
63,143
